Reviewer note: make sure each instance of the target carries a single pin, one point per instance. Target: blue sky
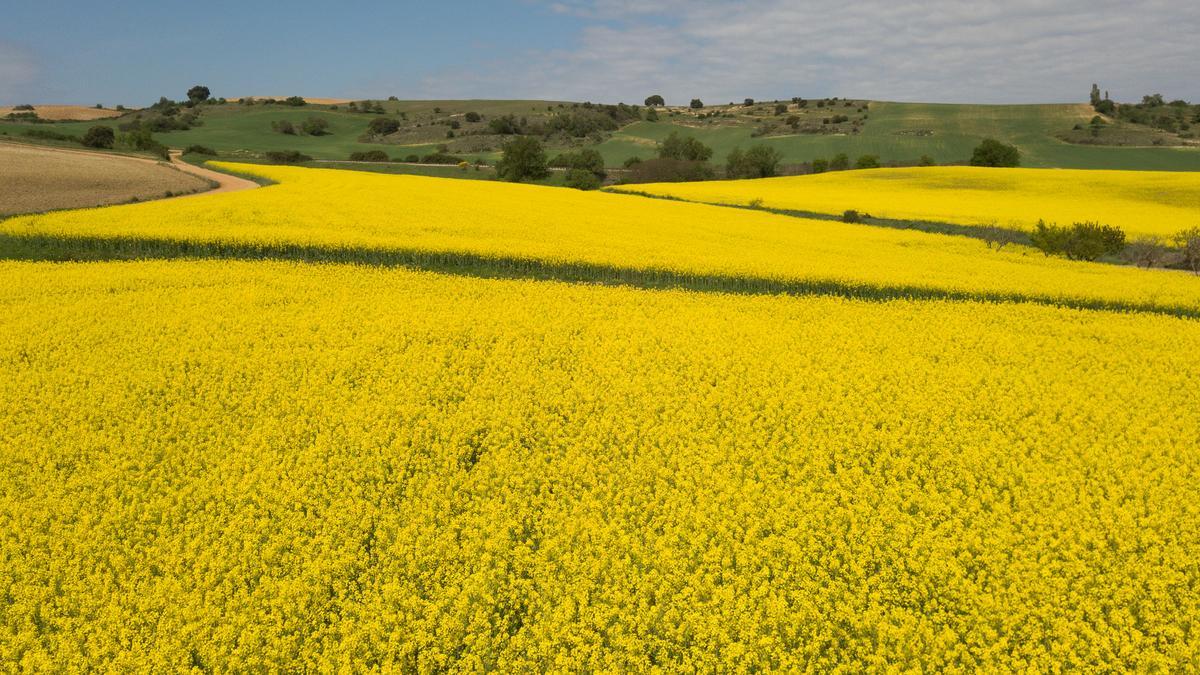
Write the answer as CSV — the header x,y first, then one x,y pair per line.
x,y
600,50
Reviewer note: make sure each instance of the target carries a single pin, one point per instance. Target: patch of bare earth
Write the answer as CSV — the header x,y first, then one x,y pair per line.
x,y
34,179
66,112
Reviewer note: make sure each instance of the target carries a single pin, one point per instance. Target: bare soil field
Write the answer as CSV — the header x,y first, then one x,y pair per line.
x,y
65,112
34,179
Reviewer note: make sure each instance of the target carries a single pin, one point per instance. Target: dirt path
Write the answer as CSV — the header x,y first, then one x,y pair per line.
x,y
224,181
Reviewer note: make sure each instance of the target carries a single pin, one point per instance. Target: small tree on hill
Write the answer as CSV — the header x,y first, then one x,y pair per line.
x,y
382,126
315,126
996,154
655,100
1095,95
840,162
867,162
198,94
523,159
685,148
760,161
696,104
99,136
1188,242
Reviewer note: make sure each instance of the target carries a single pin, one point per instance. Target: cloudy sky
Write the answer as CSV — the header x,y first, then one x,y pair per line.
x,y
602,50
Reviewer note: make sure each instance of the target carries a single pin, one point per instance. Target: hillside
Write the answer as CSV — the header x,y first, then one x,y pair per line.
x,y
897,132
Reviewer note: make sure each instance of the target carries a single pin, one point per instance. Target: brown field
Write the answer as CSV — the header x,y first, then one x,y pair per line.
x,y
65,112
34,179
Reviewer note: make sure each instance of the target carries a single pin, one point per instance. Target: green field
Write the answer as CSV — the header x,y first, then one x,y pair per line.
x,y
896,132
891,132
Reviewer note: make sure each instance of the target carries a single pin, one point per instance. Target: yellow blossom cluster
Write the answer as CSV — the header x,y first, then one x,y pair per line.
x,y
1155,203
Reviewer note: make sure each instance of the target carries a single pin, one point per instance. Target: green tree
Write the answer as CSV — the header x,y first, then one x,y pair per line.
x,y
760,161
696,104
684,148
840,162
315,126
198,94
867,162
523,159
382,126
99,136
1095,95
581,179
994,153
820,165
655,100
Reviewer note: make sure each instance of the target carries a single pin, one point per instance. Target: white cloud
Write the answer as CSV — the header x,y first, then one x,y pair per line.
x,y
936,50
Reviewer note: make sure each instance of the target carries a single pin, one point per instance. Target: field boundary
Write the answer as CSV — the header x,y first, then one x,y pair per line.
x,y
49,248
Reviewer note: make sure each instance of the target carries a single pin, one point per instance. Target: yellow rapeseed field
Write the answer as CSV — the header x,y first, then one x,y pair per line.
x,y
355,216
229,462
1155,203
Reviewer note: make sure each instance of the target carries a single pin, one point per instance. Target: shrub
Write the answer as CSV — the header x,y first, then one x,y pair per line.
x,y
781,108
840,162
696,104
473,117
23,106
667,170
820,165
1081,241
199,150
383,126
46,134
581,179
369,156
926,160
748,102
284,127
99,136
654,100
294,101
684,148
440,157
851,216
586,160
1188,242
1145,252
996,154
867,162
287,156
631,161
523,158
506,125
315,126
760,161
141,139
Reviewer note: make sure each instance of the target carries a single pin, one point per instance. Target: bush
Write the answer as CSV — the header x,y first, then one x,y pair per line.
x,y
199,150
47,135
440,157
99,136
684,148
198,94
473,117
294,101
748,102
23,106
668,170
696,104
369,156
631,161
412,159
760,161
283,127
1145,252
820,165
383,126
586,160
141,139
1188,242
781,108
926,160
505,125
867,162
995,154
1080,241
523,159
840,162
581,179
851,216
287,156
654,100
315,126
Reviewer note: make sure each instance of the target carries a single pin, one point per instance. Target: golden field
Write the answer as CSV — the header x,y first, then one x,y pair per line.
x,y
232,462
1152,203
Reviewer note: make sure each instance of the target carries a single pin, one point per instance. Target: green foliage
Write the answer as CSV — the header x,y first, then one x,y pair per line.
x,y
287,156
294,101
995,154
760,161
781,108
283,127
523,159
851,216
926,160
47,135
684,148
369,156
586,159
1188,242
316,126
669,170
473,117
696,104
748,102
99,136
199,150
141,139
198,94
867,162
840,162
382,126
655,100
581,179
506,125
820,165
1080,241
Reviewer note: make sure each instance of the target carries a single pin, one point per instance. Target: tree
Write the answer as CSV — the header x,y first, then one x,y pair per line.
x,y
295,101
1080,241
651,115
996,154
867,162
666,170
198,94
820,165
99,136
586,159
1188,242
284,127
684,148
748,102
696,104
581,179
1095,95
472,117
369,156
760,161
655,100
315,126
506,125
523,158
840,162
382,126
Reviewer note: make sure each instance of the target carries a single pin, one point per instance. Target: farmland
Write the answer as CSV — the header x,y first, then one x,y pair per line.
x,y
419,424
1142,203
40,179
